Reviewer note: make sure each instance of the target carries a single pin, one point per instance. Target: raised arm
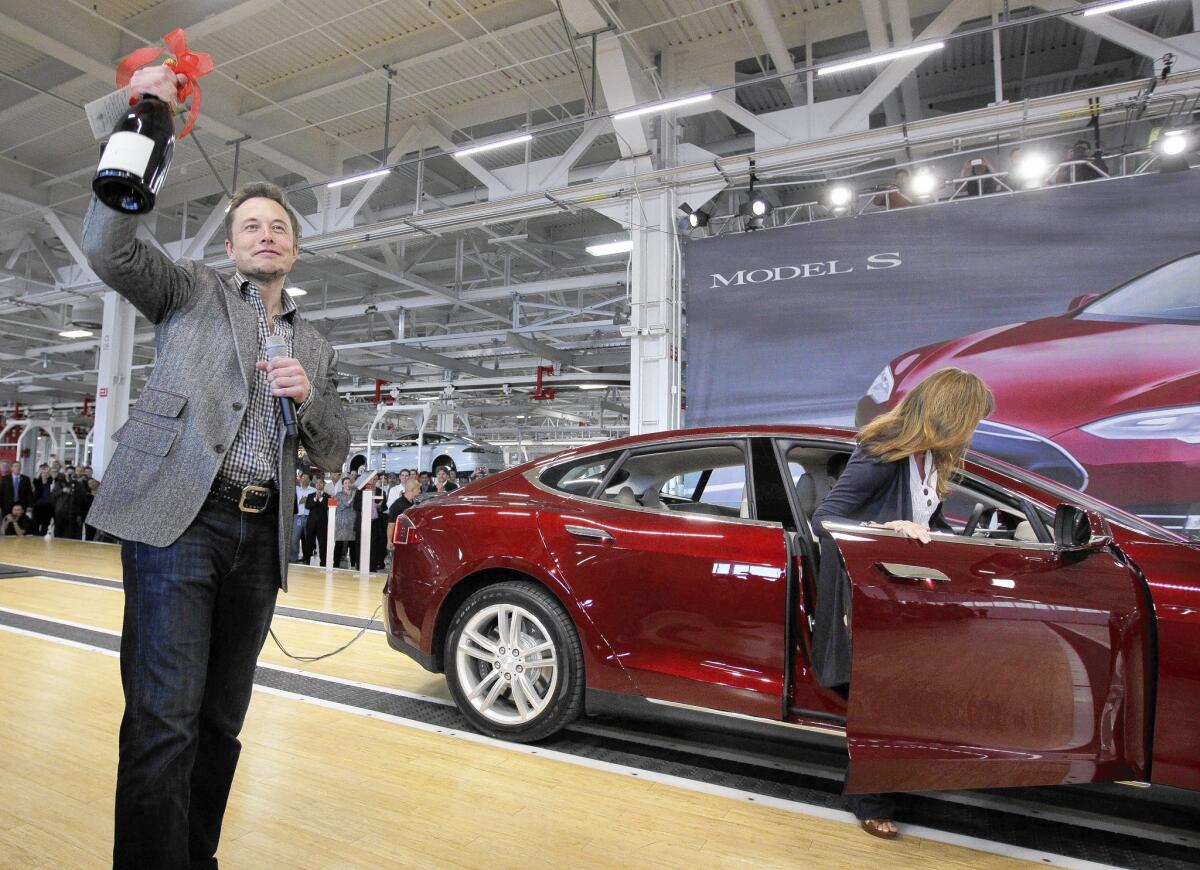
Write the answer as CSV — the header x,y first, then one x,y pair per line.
x,y
140,272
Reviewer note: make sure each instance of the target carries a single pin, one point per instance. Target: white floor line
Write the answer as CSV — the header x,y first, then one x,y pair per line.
x,y
60,640
270,666
85,580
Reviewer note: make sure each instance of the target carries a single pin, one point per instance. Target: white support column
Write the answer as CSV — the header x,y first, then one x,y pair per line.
x,y
364,531
998,60
112,378
654,391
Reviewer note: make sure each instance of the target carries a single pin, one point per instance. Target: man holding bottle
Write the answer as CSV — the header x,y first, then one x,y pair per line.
x,y
193,491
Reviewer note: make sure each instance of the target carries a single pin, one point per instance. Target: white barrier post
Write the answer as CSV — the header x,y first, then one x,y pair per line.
x,y
364,529
331,531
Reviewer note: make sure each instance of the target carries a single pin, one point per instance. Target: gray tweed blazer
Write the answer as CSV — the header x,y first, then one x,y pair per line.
x,y
169,451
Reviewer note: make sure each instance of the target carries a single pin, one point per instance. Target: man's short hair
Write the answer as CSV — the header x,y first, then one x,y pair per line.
x,y
261,190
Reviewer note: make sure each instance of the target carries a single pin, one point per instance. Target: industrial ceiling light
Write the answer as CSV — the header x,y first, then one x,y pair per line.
x,y
604,249
840,197
350,179
492,146
1105,8
1173,147
76,333
661,107
696,218
295,291
1174,142
885,57
1031,170
757,207
923,183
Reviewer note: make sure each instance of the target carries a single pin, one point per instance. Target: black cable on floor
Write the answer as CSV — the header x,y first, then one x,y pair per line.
x,y
297,658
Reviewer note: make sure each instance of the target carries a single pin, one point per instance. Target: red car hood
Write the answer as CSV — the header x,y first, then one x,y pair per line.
x,y
1058,373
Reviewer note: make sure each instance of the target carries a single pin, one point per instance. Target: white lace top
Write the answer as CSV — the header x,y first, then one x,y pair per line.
x,y
923,490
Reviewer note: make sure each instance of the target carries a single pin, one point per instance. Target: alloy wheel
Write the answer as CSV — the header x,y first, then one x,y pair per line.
x,y
507,664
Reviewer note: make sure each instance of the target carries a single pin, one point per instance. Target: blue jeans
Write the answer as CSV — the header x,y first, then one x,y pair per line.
x,y
196,616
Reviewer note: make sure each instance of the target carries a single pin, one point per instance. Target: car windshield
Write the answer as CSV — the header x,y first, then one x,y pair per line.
x,y
1076,497
1169,293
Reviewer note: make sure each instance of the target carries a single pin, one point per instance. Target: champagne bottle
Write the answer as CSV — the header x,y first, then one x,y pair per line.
x,y
136,158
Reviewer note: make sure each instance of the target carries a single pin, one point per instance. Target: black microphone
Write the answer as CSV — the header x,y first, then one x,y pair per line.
x,y
276,347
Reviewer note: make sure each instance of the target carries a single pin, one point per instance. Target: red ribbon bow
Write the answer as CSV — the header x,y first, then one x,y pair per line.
x,y
192,64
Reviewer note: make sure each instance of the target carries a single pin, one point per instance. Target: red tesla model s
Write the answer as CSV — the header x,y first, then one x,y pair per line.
x,y
1104,398
1051,640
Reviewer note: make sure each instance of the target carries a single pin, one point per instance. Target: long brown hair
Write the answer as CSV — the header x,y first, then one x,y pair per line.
x,y
939,415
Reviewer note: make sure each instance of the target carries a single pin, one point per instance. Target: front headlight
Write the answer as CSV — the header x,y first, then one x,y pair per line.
x,y
881,388
1180,424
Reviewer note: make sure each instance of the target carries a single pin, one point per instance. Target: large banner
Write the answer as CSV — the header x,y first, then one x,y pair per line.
x,y
828,322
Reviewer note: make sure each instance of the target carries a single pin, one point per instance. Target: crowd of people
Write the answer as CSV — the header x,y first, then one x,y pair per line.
x,y
57,499
393,493
54,502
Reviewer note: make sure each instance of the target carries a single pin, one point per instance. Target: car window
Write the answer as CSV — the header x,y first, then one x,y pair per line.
x,y
1002,517
1170,292
579,477
707,479
1071,496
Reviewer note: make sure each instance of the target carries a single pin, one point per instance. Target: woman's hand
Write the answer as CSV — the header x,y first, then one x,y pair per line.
x,y
907,528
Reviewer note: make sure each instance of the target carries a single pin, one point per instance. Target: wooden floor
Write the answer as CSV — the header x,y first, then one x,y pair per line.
x,y
320,787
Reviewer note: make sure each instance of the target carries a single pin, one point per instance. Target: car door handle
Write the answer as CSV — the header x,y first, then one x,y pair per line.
x,y
909,573
590,532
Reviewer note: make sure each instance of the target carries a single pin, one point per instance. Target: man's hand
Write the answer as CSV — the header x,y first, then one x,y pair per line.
x,y
158,81
287,378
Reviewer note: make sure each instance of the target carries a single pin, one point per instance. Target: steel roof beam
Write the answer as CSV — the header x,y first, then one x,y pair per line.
x,y
764,21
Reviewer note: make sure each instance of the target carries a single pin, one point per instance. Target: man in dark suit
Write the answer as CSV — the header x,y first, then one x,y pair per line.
x,y
15,488
193,492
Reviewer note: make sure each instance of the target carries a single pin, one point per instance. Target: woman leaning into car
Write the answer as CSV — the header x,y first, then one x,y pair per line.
x,y
896,479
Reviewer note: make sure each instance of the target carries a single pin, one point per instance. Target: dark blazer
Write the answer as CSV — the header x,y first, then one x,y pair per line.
x,y
868,491
23,494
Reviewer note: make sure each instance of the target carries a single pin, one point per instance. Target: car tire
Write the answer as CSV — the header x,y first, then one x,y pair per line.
x,y
501,690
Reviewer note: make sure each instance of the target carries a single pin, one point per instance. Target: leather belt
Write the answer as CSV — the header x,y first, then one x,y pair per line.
x,y
254,498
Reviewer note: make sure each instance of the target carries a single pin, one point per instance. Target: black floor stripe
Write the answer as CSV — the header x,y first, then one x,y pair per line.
x,y
1061,838
341,619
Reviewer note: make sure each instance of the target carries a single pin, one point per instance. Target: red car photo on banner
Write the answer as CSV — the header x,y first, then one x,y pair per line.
x,y
1104,398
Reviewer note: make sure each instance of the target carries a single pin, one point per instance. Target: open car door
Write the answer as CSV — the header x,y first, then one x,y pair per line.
x,y
986,663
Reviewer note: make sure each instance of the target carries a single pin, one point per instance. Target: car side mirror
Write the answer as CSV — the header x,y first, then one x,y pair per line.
x,y
1079,530
1082,300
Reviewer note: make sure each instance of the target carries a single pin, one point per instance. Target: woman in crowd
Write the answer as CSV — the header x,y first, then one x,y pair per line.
x,y
345,526
43,500
896,479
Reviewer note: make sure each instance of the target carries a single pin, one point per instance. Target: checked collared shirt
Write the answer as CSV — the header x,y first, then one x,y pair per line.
x,y
253,457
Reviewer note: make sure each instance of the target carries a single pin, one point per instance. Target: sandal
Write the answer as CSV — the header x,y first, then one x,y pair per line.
x,y
874,827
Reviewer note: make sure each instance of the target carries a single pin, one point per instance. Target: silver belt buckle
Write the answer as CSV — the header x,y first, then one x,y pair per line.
x,y
251,494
